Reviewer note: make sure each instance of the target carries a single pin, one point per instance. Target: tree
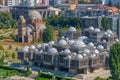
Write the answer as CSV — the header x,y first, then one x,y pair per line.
x,y
110,3
28,69
39,72
14,55
1,47
114,61
117,5
48,34
10,47
105,24
60,33
7,21
16,49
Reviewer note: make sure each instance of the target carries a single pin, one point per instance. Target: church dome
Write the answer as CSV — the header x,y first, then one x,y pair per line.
x,y
72,29
78,44
62,42
33,14
52,50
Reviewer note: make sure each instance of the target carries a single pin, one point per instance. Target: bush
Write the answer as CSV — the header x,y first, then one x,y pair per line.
x,y
13,36
18,71
1,37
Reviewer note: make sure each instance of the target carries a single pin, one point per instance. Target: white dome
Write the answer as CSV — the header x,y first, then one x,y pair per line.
x,y
67,51
72,29
86,51
78,44
90,44
25,49
97,30
70,42
117,40
91,28
84,54
41,51
44,45
62,42
62,37
52,50
96,51
94,47
100,47
105,33
32,47
109,32
36,50
67,39
79,56
69,57
51,43
104,41
93,55
108,35
84,39
33,14
74,54
26,46
38,46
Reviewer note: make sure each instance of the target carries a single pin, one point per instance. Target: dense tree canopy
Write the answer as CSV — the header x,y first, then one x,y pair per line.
x,y
105,24
48,34
7,21
60,21
114,61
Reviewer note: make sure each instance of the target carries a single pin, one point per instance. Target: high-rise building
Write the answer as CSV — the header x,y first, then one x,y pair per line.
x,y
2,2
30,3
12,2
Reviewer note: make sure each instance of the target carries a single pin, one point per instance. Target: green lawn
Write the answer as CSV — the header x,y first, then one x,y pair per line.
x,y
8,72
46,76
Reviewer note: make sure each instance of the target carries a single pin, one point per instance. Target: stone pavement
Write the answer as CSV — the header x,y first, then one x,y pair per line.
x,y
92,76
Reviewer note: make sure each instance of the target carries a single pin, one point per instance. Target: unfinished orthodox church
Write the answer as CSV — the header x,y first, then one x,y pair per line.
x,y
31,28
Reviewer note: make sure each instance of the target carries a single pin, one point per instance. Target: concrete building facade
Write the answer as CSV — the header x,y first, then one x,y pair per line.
x,y
72,55
96,23
30,29
12,2
45,11
2,2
